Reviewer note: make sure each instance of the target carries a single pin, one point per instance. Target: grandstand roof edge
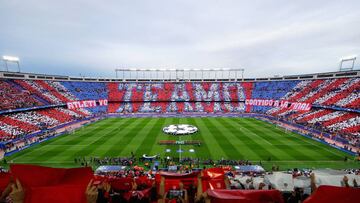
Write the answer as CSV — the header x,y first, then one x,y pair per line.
x,y
37,76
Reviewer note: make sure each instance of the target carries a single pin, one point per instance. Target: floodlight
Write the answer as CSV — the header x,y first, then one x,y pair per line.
x,y
348,58
11,58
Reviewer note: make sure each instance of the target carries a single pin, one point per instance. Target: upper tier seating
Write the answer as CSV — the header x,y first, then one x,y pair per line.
x,y
188,91
14,97
341,92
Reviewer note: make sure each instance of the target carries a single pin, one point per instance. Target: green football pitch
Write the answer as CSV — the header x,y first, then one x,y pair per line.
x,y
228,138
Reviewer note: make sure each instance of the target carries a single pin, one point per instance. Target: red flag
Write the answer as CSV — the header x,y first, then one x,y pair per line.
x,y
213,173
172,180
56,185
4,180
56,194
121,183
333,194
245,196
169,175
213,178
216,183
143,180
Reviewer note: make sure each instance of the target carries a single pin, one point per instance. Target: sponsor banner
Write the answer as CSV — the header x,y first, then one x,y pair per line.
x,y
302,106
176,142
86,103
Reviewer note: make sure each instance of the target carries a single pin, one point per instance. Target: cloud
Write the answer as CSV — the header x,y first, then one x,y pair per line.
x,y
265,37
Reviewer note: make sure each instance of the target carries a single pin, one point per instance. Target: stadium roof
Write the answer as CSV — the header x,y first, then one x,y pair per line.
x,y
140,78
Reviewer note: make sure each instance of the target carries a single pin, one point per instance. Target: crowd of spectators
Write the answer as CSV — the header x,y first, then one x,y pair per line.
x,y
61,89
331,92
343,95
338,123
351,139
40,92
85,90
137,184
171,92
18,125
177,107
17,94
12,97
88,161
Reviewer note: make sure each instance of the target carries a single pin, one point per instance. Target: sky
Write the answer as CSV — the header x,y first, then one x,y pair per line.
x,y
93,37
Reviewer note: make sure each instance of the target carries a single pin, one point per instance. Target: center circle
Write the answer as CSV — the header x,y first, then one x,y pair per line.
x,y
180,129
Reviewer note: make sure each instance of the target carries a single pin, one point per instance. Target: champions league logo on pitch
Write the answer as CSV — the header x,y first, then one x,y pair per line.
x,y
180,129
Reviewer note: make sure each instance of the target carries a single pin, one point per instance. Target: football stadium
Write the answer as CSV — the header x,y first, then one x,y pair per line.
x,y
170,134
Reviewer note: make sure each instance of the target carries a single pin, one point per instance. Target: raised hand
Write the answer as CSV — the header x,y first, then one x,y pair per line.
x,y
17,194
91,193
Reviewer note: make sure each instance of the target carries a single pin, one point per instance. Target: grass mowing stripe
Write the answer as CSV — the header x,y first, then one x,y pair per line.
x,y
261,151
248,152
203,151
97,144
210,140
30,150
150,138
103,134
316,153
174,148
58,150
325,153
321,145
52,151
229,149
334,154
120,145
300,152
186,148
139,137
321,148
157,148
292,151
193,137
86,133
117,136
79,131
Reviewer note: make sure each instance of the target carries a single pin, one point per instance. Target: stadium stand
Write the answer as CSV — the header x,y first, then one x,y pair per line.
x,y
180,97
335,101
13,97
19,124
29,108
271,90
340,93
